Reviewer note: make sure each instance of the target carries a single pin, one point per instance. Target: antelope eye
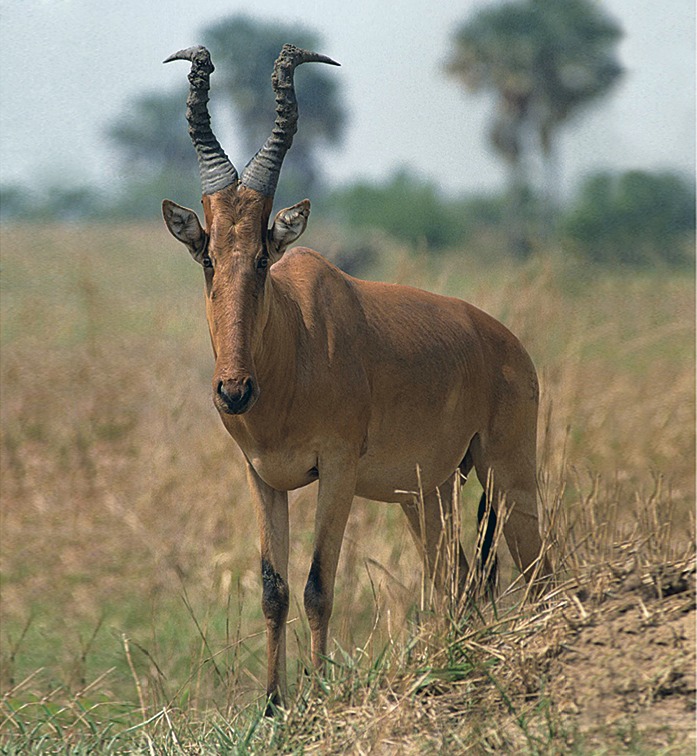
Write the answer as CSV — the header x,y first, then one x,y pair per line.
x,y
206,261
262,262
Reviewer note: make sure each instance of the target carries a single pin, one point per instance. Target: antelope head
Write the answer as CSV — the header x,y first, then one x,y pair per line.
x,y
235,245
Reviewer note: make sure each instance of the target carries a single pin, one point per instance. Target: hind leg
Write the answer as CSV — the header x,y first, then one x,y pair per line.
x,y
510,459
435,529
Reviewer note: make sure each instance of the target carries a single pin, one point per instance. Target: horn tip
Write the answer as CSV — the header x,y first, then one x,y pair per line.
x,y
298,56
188,53
318,58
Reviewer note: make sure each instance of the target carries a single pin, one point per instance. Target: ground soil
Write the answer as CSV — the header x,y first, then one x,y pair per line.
x,y
621,658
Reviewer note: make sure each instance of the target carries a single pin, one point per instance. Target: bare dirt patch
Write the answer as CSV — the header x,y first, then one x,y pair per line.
x,y
632,660
620,658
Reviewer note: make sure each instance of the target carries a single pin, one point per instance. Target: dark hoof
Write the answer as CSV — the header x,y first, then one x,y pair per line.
x,y
273,705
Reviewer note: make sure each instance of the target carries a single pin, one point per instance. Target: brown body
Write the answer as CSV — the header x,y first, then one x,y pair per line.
x,y
389,376
377,390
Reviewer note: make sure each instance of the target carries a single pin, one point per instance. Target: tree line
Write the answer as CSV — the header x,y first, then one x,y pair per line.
x,y
541,62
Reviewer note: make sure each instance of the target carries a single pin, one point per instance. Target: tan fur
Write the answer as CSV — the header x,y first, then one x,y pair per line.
x,y
359,384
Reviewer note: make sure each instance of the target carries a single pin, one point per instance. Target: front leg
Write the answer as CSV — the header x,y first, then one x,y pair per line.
x,y
337,483
272,514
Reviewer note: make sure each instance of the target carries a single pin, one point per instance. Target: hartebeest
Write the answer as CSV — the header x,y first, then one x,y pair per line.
x,y
374,389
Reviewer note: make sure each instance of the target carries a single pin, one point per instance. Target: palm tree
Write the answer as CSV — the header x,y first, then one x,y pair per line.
x,y
244,51
544,60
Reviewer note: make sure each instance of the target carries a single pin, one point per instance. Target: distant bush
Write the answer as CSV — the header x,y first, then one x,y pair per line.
x,y
405,206
137,198
14,202
413,210
635,218
54,203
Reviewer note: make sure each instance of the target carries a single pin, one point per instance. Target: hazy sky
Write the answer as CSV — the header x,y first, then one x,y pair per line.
x,y
69,67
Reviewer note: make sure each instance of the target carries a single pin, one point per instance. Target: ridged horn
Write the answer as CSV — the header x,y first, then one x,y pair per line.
x,y
262,171
217,171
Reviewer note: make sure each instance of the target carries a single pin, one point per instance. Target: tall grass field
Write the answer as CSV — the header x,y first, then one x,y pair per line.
x,y
130,596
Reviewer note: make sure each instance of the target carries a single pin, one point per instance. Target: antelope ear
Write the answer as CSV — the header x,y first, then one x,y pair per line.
x,y
185,226
288,226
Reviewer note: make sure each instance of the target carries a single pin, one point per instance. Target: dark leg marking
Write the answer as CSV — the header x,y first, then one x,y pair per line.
x,y
487,542
275,597
314,598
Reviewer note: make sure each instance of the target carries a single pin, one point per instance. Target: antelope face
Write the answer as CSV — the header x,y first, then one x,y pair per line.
x,y
236,270
236,255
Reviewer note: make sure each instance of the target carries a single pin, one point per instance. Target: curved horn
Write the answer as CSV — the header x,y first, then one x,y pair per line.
x,y
217,172
262,171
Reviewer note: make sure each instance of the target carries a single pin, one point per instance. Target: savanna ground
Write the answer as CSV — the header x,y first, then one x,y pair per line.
x,y
131,617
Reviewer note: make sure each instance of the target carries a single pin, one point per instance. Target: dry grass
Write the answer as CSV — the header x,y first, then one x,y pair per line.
x,y
130,592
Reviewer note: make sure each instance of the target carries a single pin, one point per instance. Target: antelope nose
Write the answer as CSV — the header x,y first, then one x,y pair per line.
x,y
235,396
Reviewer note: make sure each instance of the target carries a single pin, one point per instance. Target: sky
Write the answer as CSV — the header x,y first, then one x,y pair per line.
x,y
70,67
